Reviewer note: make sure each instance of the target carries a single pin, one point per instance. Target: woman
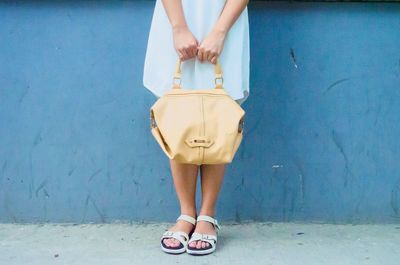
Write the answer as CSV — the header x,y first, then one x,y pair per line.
x,y
197,32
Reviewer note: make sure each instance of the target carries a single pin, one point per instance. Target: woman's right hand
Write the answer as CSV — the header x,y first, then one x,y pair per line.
x,y
185,43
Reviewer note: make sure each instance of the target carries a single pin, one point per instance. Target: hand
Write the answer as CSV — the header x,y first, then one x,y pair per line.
x,y
211,47
185,43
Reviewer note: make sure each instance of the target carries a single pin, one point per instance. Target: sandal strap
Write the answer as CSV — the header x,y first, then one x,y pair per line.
x,y
187,218
178,235
209,219
203,237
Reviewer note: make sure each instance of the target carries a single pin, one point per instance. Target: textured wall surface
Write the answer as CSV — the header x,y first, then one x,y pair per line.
x,y
321,141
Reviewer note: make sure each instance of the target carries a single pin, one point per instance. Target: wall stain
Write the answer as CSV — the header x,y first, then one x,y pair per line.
x,y
301,181
301,178
237,215
94,174
137,184
42,185
3,170
89,198
38,139
239,186
258,199
86,206
335,84
46,194
359,201
93,160
293,58
71,171
102,217
339,145
274,174
399,67
23,94
377,113
288,194
395,198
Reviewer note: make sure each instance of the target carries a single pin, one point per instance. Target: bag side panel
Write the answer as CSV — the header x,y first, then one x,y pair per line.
x,y
222,116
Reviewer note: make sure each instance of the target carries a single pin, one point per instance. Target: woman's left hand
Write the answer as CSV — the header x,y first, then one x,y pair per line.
x,y
211,47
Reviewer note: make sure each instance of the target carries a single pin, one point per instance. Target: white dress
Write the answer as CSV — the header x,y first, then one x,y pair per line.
x,y
200,15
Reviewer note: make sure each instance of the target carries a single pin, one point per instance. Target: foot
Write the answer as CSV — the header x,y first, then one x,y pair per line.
x,y
180,225
203,227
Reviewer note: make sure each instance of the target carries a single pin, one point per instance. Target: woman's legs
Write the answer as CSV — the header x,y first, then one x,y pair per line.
x,y
211,182
185,178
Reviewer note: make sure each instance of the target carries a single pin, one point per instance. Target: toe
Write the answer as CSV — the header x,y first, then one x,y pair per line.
x,y
166,241
174,242
192,244
203,244
198,244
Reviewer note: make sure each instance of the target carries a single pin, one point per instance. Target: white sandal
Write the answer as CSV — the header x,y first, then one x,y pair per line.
x,y
211,239
181,236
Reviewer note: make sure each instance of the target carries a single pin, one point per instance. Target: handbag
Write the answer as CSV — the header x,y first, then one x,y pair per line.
x,y
197,126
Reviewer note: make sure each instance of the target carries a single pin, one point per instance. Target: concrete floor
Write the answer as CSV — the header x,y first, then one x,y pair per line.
x,y
252,243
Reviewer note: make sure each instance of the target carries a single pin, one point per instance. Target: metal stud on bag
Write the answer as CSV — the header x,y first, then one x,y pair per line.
x,y
241,125
153,123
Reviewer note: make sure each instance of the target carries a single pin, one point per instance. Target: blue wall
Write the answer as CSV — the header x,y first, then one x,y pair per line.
x,y
321,141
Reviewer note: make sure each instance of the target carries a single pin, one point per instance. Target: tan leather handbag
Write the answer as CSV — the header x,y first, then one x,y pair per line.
x,y
197,126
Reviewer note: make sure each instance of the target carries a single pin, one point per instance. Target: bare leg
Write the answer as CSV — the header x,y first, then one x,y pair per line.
x,y
211,182
185,178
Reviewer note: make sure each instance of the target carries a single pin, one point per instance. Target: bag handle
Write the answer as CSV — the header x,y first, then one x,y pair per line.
x,y
217,71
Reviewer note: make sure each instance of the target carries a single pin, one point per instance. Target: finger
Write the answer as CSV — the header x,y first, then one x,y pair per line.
x,y
214,59
184,54
210,55
205,55
194,50
190,52
200,55
203,244
180,55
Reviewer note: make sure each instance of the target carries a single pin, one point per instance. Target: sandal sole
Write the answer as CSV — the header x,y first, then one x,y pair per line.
x,y
200,252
